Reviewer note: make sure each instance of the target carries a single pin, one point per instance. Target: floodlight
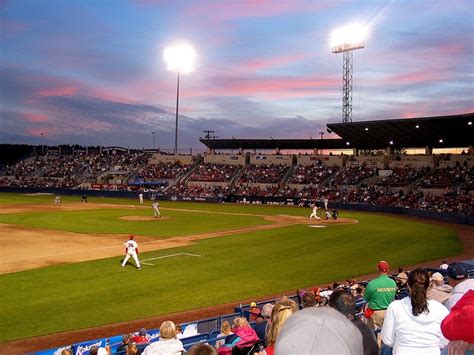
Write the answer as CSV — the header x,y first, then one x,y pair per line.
x,y
348,38
417,126
180,58
470,123
391,142
441,140
348,143
366,129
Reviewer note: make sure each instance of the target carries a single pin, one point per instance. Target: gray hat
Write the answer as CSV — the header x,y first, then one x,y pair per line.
x,y
314,331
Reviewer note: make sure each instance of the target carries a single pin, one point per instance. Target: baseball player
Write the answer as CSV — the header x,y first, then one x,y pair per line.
x,y
57,200
326,201
131,250
140,196
334,214
156,209
314,214
84,198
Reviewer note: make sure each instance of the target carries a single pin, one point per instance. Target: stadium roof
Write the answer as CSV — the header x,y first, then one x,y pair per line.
x,y
436,132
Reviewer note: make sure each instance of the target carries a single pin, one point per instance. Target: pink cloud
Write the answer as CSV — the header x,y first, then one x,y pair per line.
x,y
59,90
257,64
12,27
34,117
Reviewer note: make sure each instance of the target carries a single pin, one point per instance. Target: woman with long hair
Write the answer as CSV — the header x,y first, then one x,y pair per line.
x,y
412,325
280,313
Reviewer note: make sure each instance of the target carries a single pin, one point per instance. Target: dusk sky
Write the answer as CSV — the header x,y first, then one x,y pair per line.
x,y
92,72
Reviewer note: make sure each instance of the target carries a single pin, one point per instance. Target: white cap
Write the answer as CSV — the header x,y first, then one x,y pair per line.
x,y
314,331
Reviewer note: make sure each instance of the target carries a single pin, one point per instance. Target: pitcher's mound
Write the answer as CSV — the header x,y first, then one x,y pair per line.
x,y
143,218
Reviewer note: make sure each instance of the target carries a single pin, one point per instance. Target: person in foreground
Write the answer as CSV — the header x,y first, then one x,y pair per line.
x,y
319,331
412,325
243,336
168,343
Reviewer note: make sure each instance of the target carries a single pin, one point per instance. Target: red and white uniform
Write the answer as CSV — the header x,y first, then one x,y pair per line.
x,y
314,214
131,250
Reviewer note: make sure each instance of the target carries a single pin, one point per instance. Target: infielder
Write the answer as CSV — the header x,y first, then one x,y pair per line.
x,y
140,196
326,201
57,200
314,214
131,250
156,209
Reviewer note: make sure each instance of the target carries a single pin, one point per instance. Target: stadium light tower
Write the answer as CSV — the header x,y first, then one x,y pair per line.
x,y
180,58
346,40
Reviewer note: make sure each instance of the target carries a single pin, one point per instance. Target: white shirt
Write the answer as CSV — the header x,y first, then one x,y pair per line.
x,y
409,334
164,347
131,246
458,291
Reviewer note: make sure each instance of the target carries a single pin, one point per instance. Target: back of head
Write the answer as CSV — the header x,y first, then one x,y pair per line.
x,y
267,310
319,331
225,327
240,322
457,271
418,281
280,313
383,267
202,349
343,302
167,330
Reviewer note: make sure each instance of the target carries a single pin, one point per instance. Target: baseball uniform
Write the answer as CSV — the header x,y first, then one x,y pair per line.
x,y
156,209
131,250
314,214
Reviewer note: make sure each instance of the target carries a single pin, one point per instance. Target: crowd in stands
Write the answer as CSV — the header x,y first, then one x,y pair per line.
x,y
352,175
407,187
214,172
403,176
265,173
447,177
153,172
312,174
409,312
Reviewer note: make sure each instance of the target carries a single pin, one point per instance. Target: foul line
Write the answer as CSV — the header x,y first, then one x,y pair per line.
x,y
167,256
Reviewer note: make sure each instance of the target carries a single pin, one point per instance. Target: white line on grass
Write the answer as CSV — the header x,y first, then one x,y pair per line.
x,y
171,255
147,263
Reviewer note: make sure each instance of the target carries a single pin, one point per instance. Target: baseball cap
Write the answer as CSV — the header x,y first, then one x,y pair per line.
x,y
457,271
437,276
142,332
125,337
319,331
383,266
131,237
253,304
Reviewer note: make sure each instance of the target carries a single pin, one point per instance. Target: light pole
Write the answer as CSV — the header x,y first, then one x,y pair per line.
x,y
42,143
180,58
153,132
346,40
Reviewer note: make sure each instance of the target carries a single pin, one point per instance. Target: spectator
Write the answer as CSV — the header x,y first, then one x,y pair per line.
x,y
225,331
254,311
438,291
309,300
66,352
458,279
412,325
401,278
344,302
319,331
126,340
458,326
280,313
261,328
202,349
444,265
379,293
140,337
168,343
243,336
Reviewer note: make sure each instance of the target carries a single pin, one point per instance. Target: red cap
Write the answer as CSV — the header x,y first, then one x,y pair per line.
x,y
131,237
383,266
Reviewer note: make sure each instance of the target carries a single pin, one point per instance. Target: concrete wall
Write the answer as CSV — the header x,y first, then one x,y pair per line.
x,y
158,158
231,159
327,160
271,159
415,161
377,162
461,159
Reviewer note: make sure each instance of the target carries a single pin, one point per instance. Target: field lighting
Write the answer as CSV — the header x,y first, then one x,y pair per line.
x,y
180,59
346,40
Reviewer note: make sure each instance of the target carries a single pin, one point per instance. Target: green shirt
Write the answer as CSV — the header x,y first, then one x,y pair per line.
x,y
380,292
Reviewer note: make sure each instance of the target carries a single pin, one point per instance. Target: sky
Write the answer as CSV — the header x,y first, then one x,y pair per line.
x,y
91,72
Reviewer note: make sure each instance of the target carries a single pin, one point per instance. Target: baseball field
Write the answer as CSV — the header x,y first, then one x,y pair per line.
x,y
60,265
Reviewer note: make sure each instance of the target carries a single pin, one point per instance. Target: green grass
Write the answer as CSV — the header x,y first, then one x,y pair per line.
x,y
232,268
